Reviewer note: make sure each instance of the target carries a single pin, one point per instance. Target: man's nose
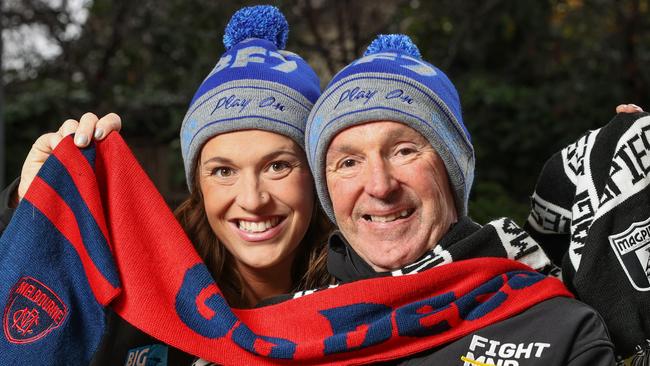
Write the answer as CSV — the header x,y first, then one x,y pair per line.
x,y
251,195
380,180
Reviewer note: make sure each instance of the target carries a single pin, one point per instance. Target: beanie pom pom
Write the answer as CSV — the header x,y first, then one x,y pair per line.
x,y
393,42
261,21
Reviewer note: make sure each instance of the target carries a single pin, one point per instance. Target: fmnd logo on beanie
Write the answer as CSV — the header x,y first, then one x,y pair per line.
x,y
32,311
405,61
278,60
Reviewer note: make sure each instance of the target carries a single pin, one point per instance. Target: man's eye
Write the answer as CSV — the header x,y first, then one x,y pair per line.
x,y
405,151
279,166
223,172
348,163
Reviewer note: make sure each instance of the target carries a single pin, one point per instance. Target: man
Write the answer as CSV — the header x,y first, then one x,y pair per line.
x,y
388,140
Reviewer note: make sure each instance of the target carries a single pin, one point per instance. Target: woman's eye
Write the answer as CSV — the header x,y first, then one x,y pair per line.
x,y
222,172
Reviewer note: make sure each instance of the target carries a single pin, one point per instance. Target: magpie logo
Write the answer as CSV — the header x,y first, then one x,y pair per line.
x,y
632,248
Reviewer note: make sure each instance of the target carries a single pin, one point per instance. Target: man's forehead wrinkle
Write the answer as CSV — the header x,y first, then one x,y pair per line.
x,y
388,138
343,148
408,134
391,136
398,132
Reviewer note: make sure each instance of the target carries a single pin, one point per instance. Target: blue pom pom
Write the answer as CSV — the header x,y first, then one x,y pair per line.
x,y
393,42
262,21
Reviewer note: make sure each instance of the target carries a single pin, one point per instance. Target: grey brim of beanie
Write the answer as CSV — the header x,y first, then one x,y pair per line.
x,y
249,123
270,107
459,170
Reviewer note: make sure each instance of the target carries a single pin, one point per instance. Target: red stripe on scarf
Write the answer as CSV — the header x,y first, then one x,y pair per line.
x,y
83,176
48,201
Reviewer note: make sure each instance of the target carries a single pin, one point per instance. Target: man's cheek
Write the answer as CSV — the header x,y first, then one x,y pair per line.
x,y
343,211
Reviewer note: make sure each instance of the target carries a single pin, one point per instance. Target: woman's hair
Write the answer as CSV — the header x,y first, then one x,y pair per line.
x,y
309,268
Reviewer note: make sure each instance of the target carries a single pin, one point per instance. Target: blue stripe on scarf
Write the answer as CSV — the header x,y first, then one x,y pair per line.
x,y
56,175
90,154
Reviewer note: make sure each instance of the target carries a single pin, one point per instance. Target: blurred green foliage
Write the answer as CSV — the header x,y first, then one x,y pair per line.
x,y
532,75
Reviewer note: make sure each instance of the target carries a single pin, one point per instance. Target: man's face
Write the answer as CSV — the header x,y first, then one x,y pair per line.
x,y
390,192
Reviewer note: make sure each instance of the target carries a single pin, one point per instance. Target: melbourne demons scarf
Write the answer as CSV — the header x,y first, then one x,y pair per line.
x,y
93,232
591,211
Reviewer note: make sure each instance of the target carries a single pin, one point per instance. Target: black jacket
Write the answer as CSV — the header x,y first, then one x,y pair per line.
x,y
559,331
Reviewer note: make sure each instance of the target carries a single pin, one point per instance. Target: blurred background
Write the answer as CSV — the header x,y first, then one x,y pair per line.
x,y
532,75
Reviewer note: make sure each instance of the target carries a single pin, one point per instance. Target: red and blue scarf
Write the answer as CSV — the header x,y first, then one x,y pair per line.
x,y
93,232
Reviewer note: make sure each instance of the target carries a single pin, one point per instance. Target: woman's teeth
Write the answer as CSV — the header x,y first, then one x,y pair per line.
x,y
258,226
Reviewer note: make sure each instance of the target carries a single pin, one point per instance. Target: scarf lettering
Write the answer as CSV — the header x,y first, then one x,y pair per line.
x,y
412,319
357,326
203,308
362,325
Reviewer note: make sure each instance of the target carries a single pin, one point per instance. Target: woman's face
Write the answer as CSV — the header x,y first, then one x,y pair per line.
x,y
258,196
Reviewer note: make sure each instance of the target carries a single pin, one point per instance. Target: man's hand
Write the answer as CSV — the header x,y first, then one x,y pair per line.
x,y
628,108
87,128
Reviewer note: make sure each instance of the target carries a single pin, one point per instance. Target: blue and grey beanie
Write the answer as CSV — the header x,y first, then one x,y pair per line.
x,y
391,82
255,85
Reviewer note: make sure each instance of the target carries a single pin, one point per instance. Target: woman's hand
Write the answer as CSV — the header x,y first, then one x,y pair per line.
x,y
87,128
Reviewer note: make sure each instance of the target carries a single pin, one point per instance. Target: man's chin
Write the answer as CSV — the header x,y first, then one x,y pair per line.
x,y
387,250
388,262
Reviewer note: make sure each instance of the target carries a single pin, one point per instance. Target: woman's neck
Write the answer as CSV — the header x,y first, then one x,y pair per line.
x,y
260,284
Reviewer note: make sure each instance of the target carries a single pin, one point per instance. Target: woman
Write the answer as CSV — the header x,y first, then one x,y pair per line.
x,y
252,196
249,216
251,213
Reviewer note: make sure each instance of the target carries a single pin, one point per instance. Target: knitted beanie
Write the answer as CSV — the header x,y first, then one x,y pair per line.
x,y
391,82
255,85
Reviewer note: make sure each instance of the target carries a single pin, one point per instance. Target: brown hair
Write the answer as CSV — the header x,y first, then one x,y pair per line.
x,y
309,269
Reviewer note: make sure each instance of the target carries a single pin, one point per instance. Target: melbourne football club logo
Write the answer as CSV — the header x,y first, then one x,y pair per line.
x,y
632,247
33,310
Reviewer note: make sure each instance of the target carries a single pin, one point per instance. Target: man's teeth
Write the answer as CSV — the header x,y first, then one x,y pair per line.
x,y
389,218
259,226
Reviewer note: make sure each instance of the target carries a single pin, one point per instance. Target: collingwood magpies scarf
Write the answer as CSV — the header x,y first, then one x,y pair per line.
x,y
591,211
93,232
